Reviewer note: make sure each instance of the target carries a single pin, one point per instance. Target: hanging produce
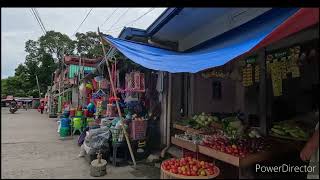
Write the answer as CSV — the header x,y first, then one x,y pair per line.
x,y
276,78
247,75
256,73
283,67
294,61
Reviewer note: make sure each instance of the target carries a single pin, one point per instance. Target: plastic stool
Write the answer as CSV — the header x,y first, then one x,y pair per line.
x,y
115,147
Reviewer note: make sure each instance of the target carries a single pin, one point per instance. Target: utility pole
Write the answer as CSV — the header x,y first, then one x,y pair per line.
x,y
52,108
61,78
38,86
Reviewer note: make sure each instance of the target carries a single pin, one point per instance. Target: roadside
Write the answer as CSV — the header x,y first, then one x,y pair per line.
x,y
30,148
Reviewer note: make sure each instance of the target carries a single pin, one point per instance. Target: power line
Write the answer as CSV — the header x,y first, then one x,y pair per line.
x,y
35,16
150,10
82,22
109,17
135,20
118,19
40,19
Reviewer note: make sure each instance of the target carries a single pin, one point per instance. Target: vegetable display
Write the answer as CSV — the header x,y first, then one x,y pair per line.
x,y
189,167
239,147
289,130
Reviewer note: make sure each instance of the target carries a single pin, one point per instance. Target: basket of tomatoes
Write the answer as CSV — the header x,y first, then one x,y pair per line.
x,y
188,168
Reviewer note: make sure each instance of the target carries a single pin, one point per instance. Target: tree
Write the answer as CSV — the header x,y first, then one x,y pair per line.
x,y
56,44
43,57
88,45
21,69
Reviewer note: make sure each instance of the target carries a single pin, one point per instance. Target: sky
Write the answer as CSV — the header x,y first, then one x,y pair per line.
x,y
19,25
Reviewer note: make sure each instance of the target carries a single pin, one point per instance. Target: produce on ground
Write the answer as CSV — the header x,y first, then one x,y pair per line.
x,y
290,130
189,167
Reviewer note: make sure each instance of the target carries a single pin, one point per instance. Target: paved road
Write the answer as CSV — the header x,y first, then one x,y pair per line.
x,y
30,148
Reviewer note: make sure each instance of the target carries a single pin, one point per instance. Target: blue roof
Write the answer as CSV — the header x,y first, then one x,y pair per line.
x,y
219,51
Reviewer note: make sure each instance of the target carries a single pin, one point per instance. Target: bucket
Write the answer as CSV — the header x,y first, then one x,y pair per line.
x,y
64,132
65,122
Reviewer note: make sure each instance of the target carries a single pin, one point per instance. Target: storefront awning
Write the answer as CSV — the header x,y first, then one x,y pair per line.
x,y
259,32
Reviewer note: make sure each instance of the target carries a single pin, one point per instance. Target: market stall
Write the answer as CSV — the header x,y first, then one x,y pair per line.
x,y
237,137
96,119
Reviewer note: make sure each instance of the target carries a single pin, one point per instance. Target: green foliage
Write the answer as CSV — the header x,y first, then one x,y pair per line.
x,y
55,44
43,59
88,45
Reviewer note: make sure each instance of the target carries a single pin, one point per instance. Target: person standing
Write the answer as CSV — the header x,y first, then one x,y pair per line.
x,y
41,107
311,148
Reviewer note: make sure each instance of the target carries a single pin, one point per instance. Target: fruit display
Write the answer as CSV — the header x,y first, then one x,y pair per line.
x,y
240,147
204,120
232,127
189,167
289,130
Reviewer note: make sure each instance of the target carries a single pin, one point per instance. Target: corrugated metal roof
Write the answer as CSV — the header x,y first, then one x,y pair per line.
x,y
74,69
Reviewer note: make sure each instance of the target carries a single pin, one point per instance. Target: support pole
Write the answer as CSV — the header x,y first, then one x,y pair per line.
x,y
38,86
263,93
117,103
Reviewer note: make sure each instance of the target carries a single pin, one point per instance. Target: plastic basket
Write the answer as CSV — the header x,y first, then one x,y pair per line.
x,y
138,129
117,135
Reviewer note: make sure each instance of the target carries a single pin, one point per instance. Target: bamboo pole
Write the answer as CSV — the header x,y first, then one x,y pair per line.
x,y
117,103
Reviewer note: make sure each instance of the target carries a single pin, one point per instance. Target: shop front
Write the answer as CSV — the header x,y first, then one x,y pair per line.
x,y
254,106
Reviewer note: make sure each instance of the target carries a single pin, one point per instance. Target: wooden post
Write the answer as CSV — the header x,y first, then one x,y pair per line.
x,y
38,86
263,93
117,103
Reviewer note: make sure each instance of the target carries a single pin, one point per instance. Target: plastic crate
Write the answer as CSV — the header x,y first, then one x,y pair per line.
x,y
117,135
138,129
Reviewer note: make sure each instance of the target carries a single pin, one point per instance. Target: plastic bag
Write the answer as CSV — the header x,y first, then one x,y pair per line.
x,y
93,132
100,141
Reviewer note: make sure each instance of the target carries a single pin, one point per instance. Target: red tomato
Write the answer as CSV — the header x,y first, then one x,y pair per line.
x,y
175,171
188,173
195,168
193,173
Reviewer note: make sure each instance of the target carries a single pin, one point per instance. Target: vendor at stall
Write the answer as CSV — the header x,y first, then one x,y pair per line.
x,y
311,150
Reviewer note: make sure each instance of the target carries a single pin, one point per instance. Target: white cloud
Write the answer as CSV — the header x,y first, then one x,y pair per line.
x,y
18,25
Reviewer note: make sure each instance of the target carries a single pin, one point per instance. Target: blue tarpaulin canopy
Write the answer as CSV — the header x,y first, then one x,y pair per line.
x,y
216,52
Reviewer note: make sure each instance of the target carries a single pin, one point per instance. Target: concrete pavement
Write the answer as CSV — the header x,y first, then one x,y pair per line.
x,y
30,148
